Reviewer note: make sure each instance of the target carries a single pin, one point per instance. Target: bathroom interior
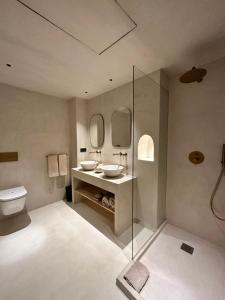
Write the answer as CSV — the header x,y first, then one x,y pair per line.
x,y
112,149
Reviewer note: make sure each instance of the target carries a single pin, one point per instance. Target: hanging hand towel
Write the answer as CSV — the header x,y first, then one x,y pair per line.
x,y
53,168
62,164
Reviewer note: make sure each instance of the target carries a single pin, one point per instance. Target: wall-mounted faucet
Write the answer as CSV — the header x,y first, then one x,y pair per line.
x,y
119,153
123,155
98,156
96,151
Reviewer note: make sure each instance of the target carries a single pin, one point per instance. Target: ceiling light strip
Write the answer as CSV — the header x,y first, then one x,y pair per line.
x,y
76,39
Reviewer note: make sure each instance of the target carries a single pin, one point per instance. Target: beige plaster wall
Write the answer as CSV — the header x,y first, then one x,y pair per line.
x,y
150,117
82,125
197,122
34,125
73,132
106,104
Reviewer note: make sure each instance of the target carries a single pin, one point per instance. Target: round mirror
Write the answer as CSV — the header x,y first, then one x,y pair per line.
x,y
97,131
121,127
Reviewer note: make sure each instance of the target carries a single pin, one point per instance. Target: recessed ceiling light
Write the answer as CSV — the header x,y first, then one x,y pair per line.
x,y
9,65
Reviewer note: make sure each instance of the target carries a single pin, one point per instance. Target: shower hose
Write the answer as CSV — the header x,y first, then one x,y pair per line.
x,y
214,193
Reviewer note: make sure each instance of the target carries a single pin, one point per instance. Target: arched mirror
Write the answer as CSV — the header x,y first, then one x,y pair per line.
x,y
121,127
97,131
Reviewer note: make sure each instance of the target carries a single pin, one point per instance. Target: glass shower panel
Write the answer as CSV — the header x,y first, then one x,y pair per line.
x,y
145,158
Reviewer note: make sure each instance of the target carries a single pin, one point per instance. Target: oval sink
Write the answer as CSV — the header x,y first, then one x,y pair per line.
x,y
112,170
88,165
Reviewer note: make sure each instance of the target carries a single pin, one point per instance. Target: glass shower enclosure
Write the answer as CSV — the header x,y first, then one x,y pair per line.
x,y
149,151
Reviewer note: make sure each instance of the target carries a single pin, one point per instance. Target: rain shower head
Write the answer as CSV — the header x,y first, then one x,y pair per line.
x,y
195,74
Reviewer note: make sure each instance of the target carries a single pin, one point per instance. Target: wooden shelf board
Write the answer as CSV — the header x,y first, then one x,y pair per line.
x,y
88,193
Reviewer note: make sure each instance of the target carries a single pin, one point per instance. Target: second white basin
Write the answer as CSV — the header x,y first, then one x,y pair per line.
x,y
88,165
112,170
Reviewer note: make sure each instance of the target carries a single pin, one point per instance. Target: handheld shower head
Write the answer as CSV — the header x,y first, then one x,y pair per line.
x,y
221,218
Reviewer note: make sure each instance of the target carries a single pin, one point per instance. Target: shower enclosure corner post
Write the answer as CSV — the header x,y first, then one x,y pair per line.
x,y
132,167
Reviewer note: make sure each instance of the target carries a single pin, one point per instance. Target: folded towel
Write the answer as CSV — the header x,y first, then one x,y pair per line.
x,y
53,168
137,276
62,164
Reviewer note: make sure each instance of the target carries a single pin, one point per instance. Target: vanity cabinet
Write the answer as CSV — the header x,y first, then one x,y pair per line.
x,y
84,184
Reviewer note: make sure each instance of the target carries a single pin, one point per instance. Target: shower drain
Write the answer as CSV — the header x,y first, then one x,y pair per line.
x,y
187,248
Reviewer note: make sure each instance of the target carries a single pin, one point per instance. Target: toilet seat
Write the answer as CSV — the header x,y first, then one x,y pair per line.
x,y
12,194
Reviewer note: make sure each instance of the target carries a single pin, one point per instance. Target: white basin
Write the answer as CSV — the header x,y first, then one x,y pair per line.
x,y
112,170
88,165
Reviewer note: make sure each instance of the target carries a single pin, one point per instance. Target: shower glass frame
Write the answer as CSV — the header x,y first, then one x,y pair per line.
x,y
143,89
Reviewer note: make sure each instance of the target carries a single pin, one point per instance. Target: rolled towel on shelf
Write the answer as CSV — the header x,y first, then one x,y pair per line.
x,y
62,158
53,167
105,201
98,196
112,203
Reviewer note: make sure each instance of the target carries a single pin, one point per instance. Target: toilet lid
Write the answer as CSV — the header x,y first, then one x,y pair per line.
x,y
12,194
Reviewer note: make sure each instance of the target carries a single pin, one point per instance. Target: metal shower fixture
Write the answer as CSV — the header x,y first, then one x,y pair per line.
x,y
195,74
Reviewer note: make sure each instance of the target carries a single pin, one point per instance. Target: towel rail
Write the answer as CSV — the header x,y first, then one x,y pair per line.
x,y
56,154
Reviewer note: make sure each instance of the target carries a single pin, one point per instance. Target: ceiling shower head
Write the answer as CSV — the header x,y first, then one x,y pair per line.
x,y
195,74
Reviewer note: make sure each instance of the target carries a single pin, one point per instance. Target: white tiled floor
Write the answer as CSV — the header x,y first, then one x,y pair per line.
x,y
177,275
59,256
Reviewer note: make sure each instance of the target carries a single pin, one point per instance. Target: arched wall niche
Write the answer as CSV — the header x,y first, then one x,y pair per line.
x,y
146,148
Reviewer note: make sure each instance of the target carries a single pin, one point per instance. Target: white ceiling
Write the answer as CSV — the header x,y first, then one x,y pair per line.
x,y
96,24
174,35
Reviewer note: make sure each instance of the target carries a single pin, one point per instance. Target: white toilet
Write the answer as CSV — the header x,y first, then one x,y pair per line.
x,y
12,200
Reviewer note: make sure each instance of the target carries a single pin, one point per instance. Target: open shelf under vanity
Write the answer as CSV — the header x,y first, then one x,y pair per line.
x,y
85,186
89,192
